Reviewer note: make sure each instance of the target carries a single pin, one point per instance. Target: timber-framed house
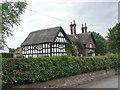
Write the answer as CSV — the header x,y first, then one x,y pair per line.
x,y
46,42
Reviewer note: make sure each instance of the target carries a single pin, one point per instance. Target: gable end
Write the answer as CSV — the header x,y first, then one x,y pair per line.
x,y
61,35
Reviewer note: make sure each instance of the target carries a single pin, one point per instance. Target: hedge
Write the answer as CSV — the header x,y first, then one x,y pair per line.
x,y
19,71
7,55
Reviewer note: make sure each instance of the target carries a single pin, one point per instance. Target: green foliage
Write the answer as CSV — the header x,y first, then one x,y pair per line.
x,y
68,48
71,49
18,71
114,39
12,50
11,12
20,56
101,44
7,55
79,47
74,51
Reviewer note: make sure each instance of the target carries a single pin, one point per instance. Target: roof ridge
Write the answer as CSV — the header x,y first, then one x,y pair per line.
x,y
41,36
46,29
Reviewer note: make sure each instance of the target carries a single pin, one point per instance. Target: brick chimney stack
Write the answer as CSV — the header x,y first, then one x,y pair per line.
x,y
85,28
74,26
82,29
71,28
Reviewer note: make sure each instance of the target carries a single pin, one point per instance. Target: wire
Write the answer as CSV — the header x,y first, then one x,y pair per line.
x,y
47,15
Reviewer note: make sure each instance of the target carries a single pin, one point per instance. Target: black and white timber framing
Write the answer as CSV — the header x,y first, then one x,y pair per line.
x,y
47,42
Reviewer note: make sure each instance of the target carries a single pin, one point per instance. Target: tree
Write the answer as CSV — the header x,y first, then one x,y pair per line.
x,y
101,44
71,49
79,46
10,13
12,50
114,39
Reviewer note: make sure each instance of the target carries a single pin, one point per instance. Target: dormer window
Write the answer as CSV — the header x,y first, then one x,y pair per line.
x,y
90,45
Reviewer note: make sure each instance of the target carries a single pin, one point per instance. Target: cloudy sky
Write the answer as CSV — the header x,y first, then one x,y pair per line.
x,y
41,14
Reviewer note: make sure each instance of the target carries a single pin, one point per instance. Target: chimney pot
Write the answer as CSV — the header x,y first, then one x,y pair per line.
x,y
82,29
74,25
85,28
71,28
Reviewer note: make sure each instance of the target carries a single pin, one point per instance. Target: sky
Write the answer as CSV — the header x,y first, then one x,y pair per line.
x,y
41,14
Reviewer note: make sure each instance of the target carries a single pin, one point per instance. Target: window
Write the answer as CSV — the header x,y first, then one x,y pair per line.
x,y
26,48
81,55
39,46
28,51
90,45
43,50
43,45
22,52
48,50
93,54
17,54
39,55
61,46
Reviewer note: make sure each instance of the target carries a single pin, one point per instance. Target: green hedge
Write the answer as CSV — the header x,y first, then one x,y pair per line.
x,y
7,55
17,71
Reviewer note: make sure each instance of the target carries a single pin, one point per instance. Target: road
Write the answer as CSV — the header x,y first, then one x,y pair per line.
x,y
111,82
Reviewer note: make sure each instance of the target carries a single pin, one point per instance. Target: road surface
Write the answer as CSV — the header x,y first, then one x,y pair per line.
x,y
111,82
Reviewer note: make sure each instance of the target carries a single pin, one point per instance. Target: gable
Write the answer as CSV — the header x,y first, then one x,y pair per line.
x,y
90,43
60,38
83,37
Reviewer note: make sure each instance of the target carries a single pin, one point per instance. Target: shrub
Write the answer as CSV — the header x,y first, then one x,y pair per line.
x,y
17,71
20,56
7,55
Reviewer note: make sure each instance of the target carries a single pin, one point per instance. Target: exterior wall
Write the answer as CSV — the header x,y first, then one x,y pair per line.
x,y
87,47
17,52
46,49
86,52
57,48
92,42
36,50
4,48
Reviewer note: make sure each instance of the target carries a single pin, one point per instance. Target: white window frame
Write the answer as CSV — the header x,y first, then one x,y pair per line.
x,y
91,45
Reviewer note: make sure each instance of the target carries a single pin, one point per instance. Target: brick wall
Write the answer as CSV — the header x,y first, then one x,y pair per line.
x,y
17,52
87,47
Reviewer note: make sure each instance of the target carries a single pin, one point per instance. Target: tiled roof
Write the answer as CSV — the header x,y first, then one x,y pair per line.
x,y
83,37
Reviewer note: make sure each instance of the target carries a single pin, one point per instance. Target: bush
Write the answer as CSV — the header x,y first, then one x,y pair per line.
x,y
17,71
20,56
7,55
